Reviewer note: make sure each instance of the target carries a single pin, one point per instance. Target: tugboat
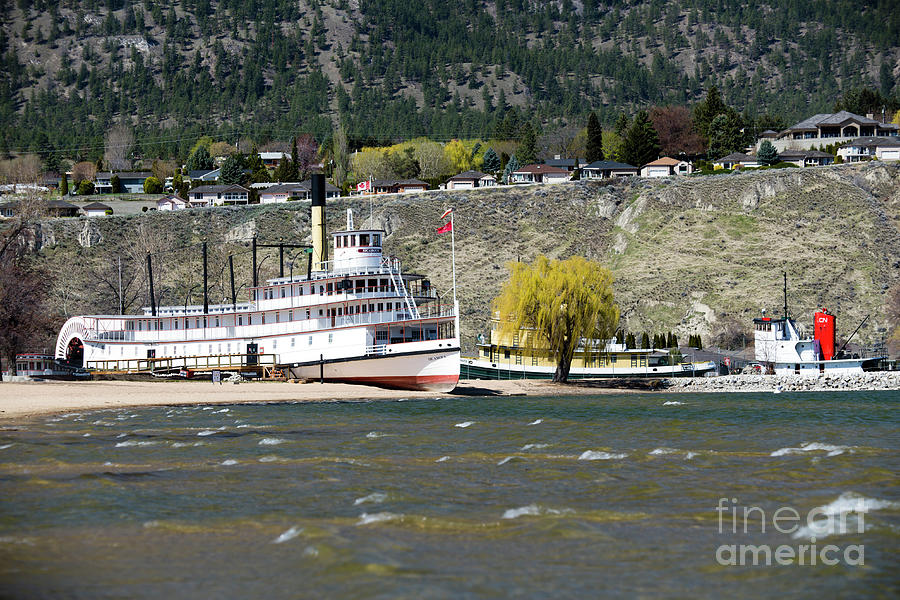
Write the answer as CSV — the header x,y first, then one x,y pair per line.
x,y
778,345
356,319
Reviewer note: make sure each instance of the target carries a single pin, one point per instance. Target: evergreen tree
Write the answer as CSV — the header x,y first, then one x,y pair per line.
x,y
707,110
620,336
645,341
767,153
258,172
630,342
594,150
64,186
641,144
699,345
199,159
232,170
527,150
621,125
511,165
490,162
725,135
116,184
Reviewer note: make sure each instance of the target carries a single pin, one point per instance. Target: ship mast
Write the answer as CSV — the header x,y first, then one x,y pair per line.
x,y
785,296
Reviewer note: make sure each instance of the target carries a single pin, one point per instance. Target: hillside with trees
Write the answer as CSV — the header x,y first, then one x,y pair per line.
x,y
391,70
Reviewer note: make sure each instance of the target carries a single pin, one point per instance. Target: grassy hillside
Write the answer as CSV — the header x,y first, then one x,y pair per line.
x,y
686,254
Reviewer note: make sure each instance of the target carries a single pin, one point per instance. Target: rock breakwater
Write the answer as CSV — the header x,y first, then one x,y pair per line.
x,y
881,380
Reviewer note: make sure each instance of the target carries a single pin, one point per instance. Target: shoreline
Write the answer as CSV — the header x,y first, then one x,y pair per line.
x,y
21,401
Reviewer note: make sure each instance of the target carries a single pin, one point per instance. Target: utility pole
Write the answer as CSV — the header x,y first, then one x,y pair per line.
x,y
150,277
121,301
231,269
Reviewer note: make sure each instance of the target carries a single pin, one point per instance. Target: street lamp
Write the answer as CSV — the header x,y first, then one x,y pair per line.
x,y
187,297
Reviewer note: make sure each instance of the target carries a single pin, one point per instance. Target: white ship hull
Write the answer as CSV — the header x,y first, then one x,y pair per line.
x,y
424,369
473,368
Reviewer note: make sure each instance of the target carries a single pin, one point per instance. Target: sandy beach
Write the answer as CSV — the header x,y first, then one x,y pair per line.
x,y
20,401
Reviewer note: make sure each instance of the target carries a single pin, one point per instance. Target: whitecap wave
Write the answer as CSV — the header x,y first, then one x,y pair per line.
x,y
443,459
206,432
268,458
597,455
690,455
372,435
830,449
506,460
271,441
128,443
465,424
186,444
5,446
672,403
228,462
288,535
841,516
536,422
224,410
311,551
532,510
661,451
366,519
535,446
374,498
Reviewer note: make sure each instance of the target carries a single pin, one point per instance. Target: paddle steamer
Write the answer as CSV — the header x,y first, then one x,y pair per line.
x,y
357,318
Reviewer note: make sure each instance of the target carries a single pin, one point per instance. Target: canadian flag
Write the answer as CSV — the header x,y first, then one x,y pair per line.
x,y
446,228
364,186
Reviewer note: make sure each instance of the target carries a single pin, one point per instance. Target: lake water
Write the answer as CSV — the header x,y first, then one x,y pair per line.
x,y
612,495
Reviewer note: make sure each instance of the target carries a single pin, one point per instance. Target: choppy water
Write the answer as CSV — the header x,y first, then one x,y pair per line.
x,y
477,497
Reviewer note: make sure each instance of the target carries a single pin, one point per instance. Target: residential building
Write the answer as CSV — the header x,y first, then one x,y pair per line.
x,y
831,128
272,159
736,160
867,148
569,164
604,169
666,167
132,182
96,209
285,192
535,173
395,186
806,158
170,202
209,195
204,175
471,179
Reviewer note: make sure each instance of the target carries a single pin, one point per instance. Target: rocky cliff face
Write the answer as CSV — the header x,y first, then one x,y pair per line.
x,y
687,254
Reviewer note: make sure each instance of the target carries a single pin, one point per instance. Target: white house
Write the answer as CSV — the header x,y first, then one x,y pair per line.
x,y
604,169
96,209
666,167
208,195
806,158
539,174
867,148
471,179
284,192
736,160
170,202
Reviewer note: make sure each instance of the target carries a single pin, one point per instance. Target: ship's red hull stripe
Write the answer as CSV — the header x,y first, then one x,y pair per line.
x,y
404,382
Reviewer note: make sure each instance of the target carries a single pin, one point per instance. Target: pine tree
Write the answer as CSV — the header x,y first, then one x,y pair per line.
x,y
594,150
725,135
199,159
116,184
490,162
511,165
645,341
527,150
767,153
620,336
704,112
64,186
232,170
630,342
641,143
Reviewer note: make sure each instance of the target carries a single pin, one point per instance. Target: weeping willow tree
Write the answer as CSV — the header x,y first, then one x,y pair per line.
x,y
562,303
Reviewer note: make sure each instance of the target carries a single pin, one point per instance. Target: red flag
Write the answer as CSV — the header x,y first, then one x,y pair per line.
x,y
446,212
445,228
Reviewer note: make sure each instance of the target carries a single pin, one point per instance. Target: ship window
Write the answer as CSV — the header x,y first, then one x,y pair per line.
x,y
353,240
633,360
380,306
210,349
293,341
371,308
175,324
363,239
329,288
217,321
381,335
506,353
274,344
277,317
373,285
364,307
376,239
263,319
228,348
300,288
198,322
330,337
384,285
240,320
282,292
187,323
290,315
534,360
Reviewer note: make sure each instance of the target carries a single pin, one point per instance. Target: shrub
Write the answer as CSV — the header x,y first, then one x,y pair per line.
x,y
85,188
152,185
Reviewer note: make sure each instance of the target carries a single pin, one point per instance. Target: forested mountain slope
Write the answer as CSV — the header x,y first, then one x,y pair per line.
x,y
270,69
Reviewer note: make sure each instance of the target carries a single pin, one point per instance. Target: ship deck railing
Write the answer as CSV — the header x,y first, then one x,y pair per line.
x,y
202,363
99,333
